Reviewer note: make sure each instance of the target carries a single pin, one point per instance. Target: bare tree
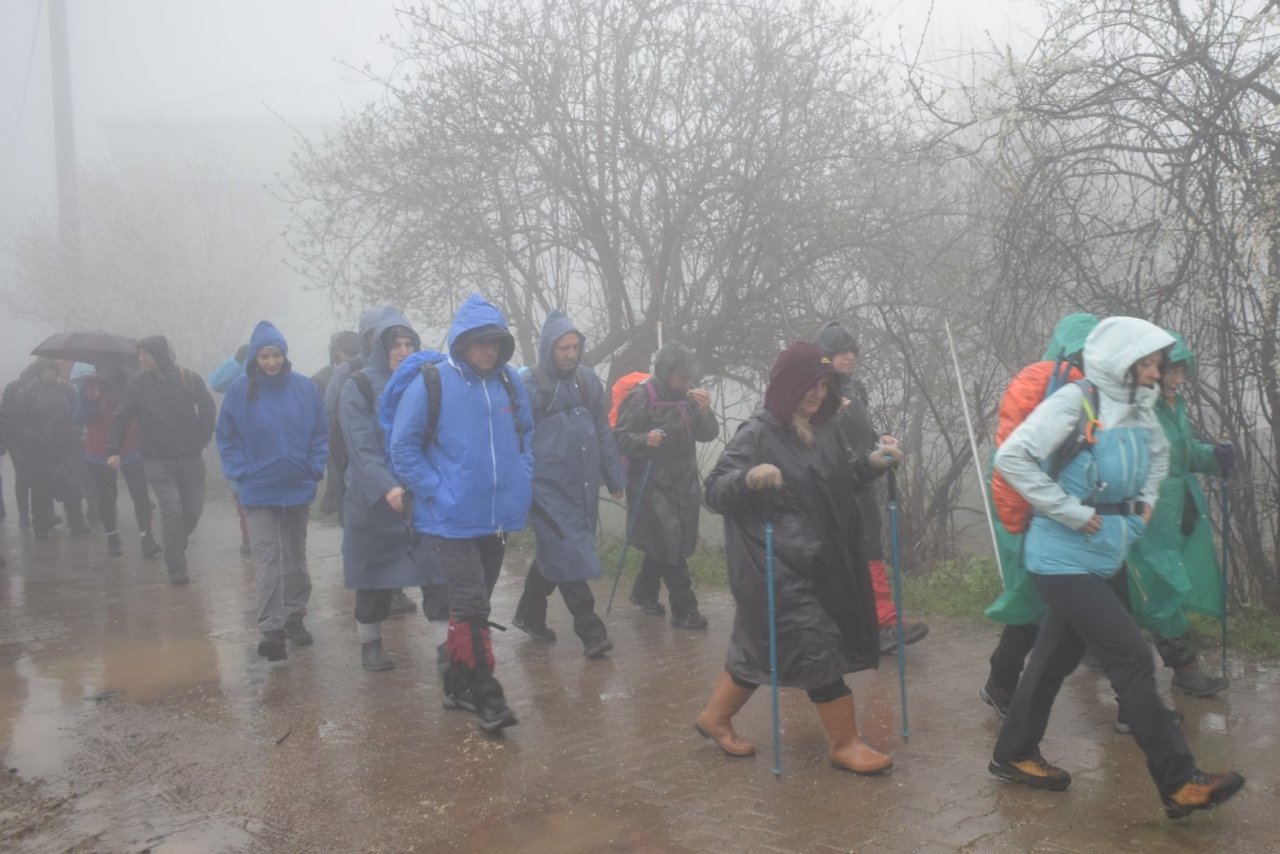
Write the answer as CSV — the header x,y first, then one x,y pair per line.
x,y
185,251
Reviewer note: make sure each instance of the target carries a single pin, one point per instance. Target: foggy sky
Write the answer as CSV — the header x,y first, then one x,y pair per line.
x,y
163,61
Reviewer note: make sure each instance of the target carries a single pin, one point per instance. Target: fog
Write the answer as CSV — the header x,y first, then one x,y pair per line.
x,y
162,85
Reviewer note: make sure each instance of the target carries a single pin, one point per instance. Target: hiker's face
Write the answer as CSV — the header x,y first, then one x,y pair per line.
x,y
482,356
846,362
812,400
270,360
566,352
679,383
145,361
400,350
1172,379
1146,371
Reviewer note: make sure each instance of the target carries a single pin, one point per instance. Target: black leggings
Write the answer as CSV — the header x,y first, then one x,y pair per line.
x,y
104,481
831,691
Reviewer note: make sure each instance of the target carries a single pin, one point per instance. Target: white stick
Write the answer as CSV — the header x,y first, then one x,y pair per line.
x,y
659,325
977,463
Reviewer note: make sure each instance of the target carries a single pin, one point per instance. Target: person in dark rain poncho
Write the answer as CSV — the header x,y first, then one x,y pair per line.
x,y
573,450
788,464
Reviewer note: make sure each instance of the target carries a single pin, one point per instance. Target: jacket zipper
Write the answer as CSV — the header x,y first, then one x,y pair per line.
x,y
493,458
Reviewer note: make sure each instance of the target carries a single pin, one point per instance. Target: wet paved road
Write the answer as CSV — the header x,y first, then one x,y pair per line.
x,y
208,748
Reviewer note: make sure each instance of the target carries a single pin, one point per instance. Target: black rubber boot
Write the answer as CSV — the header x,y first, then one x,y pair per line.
x,y
113,545
372,657
272,646
150,548
297,633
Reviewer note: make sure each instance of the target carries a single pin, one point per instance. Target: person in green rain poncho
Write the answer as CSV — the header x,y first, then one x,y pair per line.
x,y
1173,568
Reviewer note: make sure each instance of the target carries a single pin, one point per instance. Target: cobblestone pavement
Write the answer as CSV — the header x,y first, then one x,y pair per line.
x,y
135,716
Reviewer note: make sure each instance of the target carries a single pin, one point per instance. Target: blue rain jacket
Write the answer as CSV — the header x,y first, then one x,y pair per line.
x,y
476,478
273,447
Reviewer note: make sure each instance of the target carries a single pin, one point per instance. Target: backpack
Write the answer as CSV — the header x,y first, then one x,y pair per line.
x,y
430,372
546,389
621,388
1032,385
336,486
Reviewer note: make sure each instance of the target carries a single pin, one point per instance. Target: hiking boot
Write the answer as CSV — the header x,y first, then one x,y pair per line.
x,y
1174,715
911,633
113,546
150,548
1194,681
997,698
652,607
1034,772
691,620
401,604
536,632
271,647
372,658
179,579
1202,792
483,702
297,633
597,649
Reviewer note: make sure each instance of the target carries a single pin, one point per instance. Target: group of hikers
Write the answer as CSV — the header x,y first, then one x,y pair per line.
x,y
431,458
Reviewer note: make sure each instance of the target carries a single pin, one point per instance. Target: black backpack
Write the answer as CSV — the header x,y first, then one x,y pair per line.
x,y
547,388
431,377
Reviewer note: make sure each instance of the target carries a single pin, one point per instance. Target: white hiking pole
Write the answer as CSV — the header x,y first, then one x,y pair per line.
x,y
973,445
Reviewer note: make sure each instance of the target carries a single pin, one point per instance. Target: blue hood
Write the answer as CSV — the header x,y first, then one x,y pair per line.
x,y
557,326
479,318
379,359
265,334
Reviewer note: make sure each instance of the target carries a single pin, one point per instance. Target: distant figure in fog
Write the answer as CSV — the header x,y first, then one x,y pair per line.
x,y
13,439
44,413
174,412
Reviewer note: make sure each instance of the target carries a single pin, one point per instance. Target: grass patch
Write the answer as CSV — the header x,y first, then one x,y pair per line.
x,y
1252,630
955,588
707,566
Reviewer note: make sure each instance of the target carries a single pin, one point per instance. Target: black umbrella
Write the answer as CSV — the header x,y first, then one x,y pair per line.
x,y
91,347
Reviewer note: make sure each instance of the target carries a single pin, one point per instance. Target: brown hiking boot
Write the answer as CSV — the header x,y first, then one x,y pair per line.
x,y
1034,772
848,751
1202,792
716,720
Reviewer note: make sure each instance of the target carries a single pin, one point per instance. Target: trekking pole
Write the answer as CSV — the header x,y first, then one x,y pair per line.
x,y
1226,566
626,542
897,601
773,644
973,446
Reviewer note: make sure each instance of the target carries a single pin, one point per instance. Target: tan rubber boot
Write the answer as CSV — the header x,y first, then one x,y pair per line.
x,y
716,720
848,751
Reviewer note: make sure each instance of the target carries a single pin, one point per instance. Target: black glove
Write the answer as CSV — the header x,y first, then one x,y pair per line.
x,y
1224,454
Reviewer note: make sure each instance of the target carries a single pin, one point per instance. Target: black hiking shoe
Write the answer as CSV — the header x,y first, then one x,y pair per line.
x,y
652,607
1194,681
997,698
372,657
401,604
179,579
113,546
541,633
598,648
297,633
911,633
272,647
150,548
1202,792
691,620
1034,772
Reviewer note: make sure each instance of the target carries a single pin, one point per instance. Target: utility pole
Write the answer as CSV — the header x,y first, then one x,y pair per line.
x,y
64,133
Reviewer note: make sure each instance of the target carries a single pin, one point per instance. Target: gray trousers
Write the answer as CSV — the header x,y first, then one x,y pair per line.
x,y
178,486
278,538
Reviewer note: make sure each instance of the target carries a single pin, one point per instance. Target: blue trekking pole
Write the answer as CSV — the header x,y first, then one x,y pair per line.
x,y
626,542
773,647
897,601
1226,566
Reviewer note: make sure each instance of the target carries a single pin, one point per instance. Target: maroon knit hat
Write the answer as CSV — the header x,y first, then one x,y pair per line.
x,y
793,373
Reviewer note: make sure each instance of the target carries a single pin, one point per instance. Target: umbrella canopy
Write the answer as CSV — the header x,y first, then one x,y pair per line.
x,y
90,347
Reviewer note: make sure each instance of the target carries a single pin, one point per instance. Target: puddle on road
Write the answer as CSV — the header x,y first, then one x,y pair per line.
x,y
638,830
